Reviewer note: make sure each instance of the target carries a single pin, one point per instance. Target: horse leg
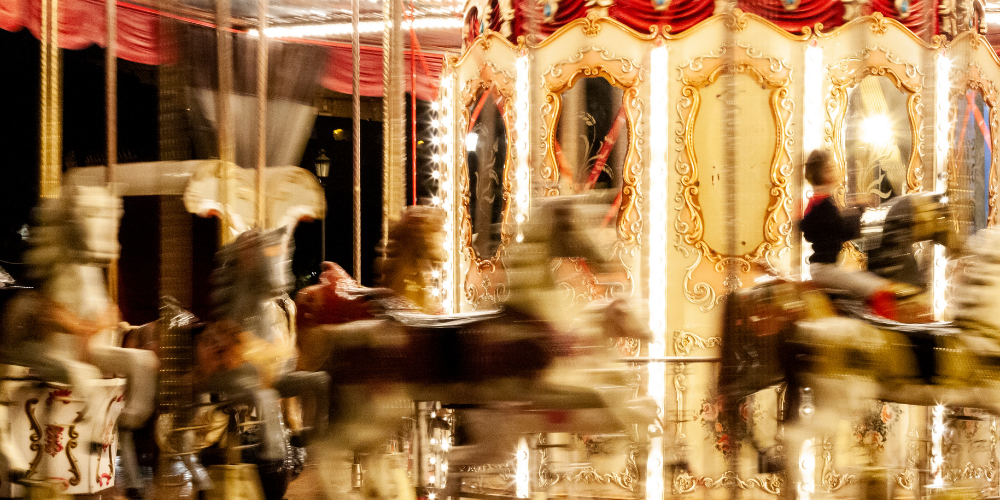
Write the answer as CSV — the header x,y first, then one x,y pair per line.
x,y
269,412
199,476
242,384
316,384
138,366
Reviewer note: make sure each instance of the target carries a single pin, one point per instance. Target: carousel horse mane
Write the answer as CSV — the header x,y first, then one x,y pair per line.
x,y
415,247
64,225
974,301
250,274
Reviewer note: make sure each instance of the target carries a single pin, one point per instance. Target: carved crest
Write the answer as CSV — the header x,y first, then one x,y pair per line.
x,y
878,25
591,26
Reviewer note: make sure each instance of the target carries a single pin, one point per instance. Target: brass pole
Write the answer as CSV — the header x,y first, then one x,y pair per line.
x,y
51,128
261,110
356,135
394,115
111,115
227,152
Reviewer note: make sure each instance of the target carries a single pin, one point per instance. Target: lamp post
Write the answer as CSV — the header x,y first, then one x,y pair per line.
x,y
322,164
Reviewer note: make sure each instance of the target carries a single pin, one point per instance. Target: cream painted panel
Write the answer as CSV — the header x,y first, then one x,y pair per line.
x,y
755,150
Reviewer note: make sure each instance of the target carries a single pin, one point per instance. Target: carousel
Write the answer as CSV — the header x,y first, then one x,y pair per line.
x,y
605,292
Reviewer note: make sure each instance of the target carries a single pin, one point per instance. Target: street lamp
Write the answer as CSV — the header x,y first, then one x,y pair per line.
x,y
322,164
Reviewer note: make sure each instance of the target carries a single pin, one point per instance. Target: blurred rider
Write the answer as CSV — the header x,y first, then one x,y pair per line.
x,y
828,227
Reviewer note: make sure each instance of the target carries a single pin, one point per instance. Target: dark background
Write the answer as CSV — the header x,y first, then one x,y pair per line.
x,y
138,118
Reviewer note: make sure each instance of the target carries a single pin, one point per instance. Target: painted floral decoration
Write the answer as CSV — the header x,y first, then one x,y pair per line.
x,y
876,424
727,440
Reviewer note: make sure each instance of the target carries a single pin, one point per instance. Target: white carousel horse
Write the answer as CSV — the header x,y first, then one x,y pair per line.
x,y
65,331
247,353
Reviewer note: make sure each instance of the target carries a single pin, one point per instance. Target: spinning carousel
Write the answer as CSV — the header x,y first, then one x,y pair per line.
x,y
684,126
616,187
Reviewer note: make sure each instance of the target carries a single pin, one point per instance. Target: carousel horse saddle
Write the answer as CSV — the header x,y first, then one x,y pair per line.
x,y
447,349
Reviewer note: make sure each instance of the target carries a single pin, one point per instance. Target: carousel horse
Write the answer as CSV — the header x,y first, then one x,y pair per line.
x,y
832,352
246,355
376,345
64,331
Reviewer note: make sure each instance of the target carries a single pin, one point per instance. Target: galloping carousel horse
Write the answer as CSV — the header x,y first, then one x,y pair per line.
x,y
832,352
64,332
245,358
376,344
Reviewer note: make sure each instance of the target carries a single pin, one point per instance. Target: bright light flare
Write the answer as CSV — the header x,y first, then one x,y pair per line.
x,y
877,130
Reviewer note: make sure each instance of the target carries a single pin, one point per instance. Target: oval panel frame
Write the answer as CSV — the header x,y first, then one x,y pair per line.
x,y
774,74
484,283
626,74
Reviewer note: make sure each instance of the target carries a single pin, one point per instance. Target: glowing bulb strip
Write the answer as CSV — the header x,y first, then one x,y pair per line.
x,y
937,457
522,477
812,99
812,127
443,159
942,91
522,170
658,59
336,29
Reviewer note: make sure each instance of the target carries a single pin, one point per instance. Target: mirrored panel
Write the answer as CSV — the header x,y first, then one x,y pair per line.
x,y
486,159
591,141
968,186
878,141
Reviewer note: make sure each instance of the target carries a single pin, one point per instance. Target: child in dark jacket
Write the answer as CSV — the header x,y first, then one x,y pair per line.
x,y
828,227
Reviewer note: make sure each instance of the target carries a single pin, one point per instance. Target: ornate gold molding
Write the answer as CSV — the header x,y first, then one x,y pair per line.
x,y
626,74
485,279
771,483
685,341
689,224
847,73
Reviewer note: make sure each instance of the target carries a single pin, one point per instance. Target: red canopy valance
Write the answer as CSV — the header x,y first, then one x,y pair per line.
x,y
82,23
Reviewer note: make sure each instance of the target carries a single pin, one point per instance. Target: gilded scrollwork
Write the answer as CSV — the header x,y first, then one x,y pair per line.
x,y
627,479
626,74
771,483
689,224
878,24
849,72
35,437
485,281
832,480
685,341
70,446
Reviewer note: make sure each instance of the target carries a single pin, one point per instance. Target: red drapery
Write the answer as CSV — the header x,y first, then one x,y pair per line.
x,y
809,12
338,74
916,12
679,15
82,23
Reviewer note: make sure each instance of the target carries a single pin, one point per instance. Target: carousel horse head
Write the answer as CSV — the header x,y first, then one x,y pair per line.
x,y
890,231
250,273
415,247
559,227
79,227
